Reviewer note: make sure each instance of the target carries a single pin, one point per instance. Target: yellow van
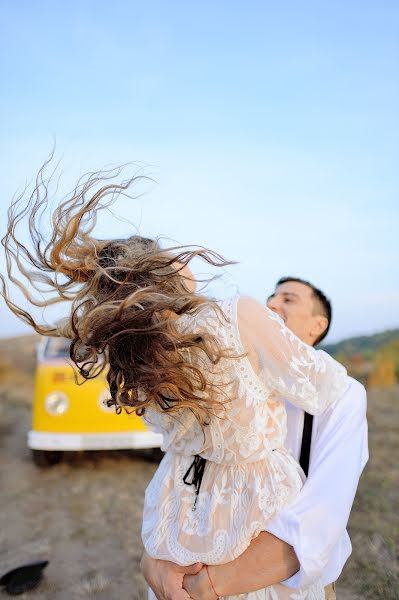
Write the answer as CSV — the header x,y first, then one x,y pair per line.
x,y
67,416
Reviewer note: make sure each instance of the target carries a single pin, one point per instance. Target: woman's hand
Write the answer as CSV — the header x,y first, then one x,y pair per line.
x,y
198,586
165,578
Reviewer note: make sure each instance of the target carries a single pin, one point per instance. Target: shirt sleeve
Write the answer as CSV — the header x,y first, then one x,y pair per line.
x,y
309,378
315,523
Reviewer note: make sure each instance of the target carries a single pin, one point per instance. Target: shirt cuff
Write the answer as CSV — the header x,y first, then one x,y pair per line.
x,y
286,526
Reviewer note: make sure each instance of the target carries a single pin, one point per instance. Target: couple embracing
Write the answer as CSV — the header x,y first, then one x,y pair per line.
x,y
229,512
305,544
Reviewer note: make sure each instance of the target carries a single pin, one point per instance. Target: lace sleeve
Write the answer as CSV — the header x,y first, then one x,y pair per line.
x,y
309,378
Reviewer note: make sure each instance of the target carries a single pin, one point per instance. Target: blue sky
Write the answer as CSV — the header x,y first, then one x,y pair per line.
x,y
271,128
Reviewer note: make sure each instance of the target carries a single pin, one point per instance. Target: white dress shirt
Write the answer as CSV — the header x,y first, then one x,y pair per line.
x,y
315,523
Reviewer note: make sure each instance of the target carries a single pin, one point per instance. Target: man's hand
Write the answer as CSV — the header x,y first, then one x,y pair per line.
x,y
166,578
198,586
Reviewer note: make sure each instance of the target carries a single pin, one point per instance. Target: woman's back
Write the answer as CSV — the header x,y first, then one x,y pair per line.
x,y
248,473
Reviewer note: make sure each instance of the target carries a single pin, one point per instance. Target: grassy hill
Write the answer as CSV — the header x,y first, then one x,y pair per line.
x,y
364,344
372,359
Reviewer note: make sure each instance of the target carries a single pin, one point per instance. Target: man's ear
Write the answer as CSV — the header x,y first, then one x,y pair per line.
x,y
320,324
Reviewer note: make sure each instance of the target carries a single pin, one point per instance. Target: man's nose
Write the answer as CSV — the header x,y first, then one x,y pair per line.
x,y
274,304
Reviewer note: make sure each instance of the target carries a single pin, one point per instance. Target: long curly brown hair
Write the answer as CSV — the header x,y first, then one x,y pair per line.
x,y
125,296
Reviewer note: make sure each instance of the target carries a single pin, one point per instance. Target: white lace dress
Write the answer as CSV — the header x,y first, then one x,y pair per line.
x,y
248,475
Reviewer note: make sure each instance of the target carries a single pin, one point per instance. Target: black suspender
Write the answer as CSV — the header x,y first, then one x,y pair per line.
x,y
306,441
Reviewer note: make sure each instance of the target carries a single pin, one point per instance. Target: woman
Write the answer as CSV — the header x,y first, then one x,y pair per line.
x,y
208,375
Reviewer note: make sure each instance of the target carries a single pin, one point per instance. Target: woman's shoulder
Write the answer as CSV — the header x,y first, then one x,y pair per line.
x,y
250,304
216,316
241,309
250,312
237,313
239,303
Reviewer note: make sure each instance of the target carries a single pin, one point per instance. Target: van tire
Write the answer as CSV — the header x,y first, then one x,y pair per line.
x,y
157,454
47,458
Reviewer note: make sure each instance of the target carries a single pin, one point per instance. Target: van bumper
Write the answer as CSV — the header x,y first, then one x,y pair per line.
x,y
43,440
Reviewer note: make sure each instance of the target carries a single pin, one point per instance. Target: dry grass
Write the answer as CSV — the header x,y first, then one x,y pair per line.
x,y
19,353
372,570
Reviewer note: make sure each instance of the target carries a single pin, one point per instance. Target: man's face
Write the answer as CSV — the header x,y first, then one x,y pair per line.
x,y
295,304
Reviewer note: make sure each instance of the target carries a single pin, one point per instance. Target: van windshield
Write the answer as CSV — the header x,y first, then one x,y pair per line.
x,y
57,348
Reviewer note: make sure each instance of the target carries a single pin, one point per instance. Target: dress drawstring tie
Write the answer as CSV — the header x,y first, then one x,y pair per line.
x,y
198,468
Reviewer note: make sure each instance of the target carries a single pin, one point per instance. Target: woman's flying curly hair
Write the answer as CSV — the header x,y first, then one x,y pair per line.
x,y
125,296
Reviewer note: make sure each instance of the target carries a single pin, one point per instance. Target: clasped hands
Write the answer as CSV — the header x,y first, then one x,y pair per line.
x,y
169,581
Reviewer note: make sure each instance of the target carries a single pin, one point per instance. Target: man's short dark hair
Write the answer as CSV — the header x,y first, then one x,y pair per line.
x,y
321,299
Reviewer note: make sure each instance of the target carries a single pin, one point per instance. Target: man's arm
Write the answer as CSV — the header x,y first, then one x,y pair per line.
x,y
267,560
314,523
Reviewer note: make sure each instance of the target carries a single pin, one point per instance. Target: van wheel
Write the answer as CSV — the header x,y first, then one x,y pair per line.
x,y
157,454
47,458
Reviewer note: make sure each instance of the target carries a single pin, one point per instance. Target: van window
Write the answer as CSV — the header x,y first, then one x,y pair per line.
x,y
57,348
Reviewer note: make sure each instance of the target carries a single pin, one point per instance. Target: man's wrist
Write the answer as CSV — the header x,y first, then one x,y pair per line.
x,y
265,562
199,586
209,570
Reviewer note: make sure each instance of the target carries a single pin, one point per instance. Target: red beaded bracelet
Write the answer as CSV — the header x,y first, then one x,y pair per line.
x,y
210,581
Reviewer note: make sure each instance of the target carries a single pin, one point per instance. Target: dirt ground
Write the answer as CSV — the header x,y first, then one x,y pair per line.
x,y
85,514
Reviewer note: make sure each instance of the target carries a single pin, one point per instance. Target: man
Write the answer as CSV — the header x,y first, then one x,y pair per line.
x,y
307,540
